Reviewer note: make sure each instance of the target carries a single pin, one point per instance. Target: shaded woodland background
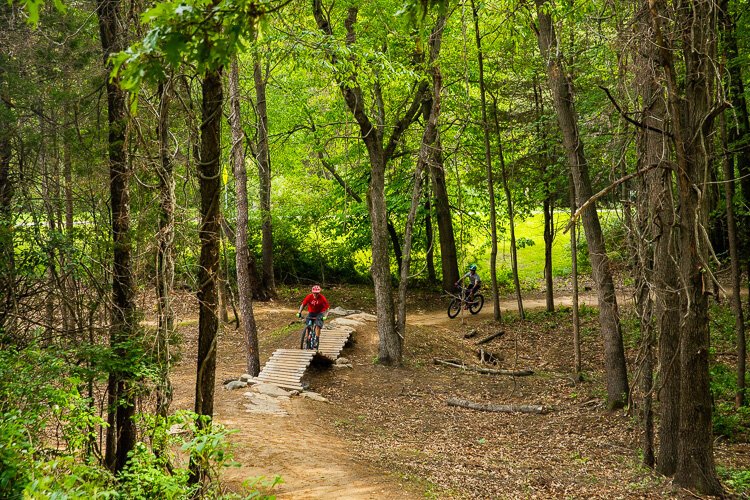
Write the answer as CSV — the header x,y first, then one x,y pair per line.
x,y
230,148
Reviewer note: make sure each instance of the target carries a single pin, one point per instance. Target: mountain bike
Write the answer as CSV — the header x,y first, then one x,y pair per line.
x,y
308,339
462,300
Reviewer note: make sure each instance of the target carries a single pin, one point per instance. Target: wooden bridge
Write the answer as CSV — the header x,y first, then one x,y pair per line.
x,y
286,367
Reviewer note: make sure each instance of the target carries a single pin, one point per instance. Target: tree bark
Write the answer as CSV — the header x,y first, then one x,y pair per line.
x,y
577,363
692,111
244,282
120,436
739,320
209,174
7,246
511,217
429,137
657,219
446,237
562,95
164,253
428,231
741,134
264,176
488,166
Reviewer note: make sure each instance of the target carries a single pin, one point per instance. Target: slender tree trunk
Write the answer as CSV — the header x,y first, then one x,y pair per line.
x,y
511,217
549,235
548,203
164,254
244,285
577,364
739,320
562,94
739,135
7,246
264,176
488,166
396,244
429,138
121,435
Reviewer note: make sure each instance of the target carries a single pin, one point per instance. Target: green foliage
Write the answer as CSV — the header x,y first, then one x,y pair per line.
x,y
738,480
728,421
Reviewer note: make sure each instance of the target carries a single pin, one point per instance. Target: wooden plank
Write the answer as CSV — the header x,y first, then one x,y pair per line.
x,y
294,373
287,362
273,380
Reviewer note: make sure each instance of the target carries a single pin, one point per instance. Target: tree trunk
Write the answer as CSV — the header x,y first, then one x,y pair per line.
x,y
244,284
511,217
562,95
208,268
548,204
549,238
264,177
164,254
390,347
448,255
7,246
739,320
577,364
121,436
738,135
488,165
429,138
653,151
692,113
428,231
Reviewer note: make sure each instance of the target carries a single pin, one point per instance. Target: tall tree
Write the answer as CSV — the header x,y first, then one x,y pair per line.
x,y
121,432
488,164
426,155
244,281
692,106
263,161
562,96
379,152
164,251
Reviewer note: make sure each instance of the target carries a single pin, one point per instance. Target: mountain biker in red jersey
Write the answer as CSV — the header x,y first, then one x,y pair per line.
x,y
317,309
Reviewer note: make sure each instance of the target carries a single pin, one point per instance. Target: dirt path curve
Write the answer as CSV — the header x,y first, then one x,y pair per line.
x,y
313,461
440,317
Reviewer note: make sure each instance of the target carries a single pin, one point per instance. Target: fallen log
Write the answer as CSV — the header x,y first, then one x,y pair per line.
x,y
535,409
489,371
488,357
494,335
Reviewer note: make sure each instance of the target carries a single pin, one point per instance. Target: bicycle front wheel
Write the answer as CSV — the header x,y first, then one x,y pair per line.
x,y
454,308
476,306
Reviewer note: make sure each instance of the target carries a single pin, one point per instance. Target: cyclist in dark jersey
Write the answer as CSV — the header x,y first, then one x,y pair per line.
x,y
474,281
317,308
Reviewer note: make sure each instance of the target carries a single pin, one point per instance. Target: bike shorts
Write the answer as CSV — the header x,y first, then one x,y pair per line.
x,y
317,317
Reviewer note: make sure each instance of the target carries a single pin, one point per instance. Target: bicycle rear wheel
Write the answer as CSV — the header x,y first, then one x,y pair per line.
x,y
476,306
454,308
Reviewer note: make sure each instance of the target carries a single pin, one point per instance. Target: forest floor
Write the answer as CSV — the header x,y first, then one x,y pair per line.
x,y
388,432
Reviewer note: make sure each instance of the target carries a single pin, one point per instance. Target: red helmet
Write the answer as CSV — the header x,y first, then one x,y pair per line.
x,y
316,289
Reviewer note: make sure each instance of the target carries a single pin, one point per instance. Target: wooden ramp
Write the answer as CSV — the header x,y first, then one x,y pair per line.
x,y
286,367
332,341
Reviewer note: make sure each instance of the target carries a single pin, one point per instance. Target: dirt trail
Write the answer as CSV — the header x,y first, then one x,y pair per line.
x,y
313,461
